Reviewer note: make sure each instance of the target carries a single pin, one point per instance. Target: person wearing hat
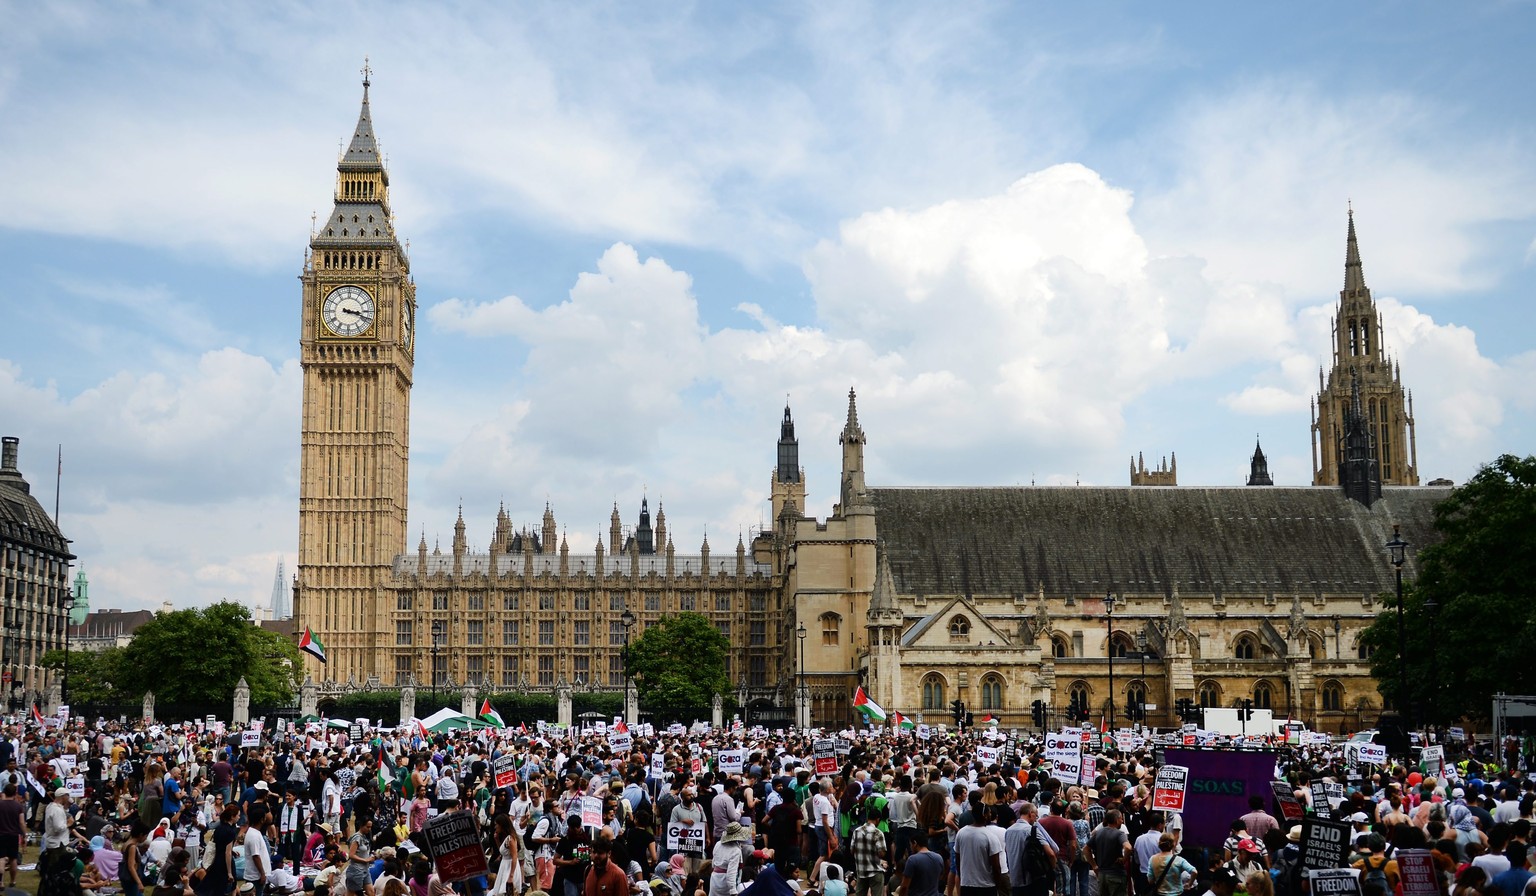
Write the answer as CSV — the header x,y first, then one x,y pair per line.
x,y
726,861
1246,858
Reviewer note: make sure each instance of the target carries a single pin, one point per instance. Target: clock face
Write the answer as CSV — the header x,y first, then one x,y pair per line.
x,y
348,311
405,324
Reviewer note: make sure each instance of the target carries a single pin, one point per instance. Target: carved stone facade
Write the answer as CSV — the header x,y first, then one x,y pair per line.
x,y
1360,362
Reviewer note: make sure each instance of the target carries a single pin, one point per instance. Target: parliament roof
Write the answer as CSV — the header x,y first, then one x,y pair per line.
x,y
1086,541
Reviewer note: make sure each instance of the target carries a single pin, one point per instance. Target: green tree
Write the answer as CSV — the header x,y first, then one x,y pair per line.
x,y
1468,611
679,665
199,655
93,675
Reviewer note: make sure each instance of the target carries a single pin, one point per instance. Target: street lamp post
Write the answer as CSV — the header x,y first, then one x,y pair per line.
x,y
69,607
628,618
1109,645
437,639
1141,650
1432,611
800,693
1399,553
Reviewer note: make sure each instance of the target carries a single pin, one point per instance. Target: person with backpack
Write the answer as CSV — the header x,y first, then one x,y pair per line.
x,y
1166,870
1031,853
1378,874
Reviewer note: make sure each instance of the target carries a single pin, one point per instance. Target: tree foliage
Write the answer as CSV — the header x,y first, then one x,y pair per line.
x,y
1475,642
199,655
93,675
679,665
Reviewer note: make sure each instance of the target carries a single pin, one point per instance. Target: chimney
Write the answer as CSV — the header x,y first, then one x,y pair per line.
x,y
8,454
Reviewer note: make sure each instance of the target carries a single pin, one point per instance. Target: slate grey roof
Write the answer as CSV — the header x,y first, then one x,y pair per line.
x,y
370,227
23,521
1086,540
363,151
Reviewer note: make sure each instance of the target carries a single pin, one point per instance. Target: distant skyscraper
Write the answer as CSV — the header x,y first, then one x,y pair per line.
x,y
280,593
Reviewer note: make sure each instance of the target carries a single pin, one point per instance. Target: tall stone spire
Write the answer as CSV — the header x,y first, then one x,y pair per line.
x,y
661,527
1354,273
789,450
364,148
615,531
547,542
1258,468
852,440
1359,354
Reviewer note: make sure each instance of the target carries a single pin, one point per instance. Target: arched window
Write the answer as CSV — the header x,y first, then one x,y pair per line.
x,y
959,629
1210,695
1120,645
1078,693
933,691
1245,648
1135,694
991,692
1263,695
1333,697
1364,650
1059,646
830,622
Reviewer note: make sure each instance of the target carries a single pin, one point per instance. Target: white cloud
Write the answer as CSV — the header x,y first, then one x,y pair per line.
x,y
1238,175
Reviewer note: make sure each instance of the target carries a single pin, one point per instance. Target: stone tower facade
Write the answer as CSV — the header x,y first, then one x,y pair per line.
x,y
1358,357
1166,472
357,309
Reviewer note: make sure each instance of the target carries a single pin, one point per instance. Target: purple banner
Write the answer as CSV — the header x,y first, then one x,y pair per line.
x,y
1220,783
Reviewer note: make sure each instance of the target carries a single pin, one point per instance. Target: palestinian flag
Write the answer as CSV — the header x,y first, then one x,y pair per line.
x,y
904,723
385,772
871,710
488,713
38,717
311,645
989,719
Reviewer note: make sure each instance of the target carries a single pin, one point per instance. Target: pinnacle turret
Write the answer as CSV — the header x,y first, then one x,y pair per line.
x,y
1354,272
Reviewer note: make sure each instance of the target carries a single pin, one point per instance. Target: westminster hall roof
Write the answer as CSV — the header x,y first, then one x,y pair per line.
x,y
1086,541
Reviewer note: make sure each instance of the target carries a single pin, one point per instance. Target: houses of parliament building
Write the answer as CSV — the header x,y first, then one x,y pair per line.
x,y
996,596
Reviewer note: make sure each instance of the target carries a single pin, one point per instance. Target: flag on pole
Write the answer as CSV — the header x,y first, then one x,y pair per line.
x,y
989,719
904,723
488,713
871,710
386,772
311,645
38,717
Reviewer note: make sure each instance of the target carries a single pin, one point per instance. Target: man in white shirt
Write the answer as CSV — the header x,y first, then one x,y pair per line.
x,y
258,863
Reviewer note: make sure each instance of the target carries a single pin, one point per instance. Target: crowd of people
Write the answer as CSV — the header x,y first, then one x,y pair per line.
x,y
174,811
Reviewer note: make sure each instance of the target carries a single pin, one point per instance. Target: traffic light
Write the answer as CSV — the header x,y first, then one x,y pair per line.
x,y
1037,713
1247,709
1185,708
957,710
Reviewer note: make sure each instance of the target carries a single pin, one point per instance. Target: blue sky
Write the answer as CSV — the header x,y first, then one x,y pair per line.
x,y
1038,238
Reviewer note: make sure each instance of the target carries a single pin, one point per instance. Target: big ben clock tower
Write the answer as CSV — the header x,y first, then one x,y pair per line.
x,y
357,330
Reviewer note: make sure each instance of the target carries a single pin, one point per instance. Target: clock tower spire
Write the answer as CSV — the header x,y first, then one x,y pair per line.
x,y
357,315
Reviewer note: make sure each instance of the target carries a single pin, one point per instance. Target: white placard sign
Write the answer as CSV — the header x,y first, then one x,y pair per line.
x,y
923,733
685,839
1373,754
1068,768
1063,746
658,764
987,756
620,742
250,737
75,784
732,761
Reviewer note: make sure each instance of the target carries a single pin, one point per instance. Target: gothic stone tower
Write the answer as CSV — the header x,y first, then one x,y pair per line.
x,y
1357,355
357,313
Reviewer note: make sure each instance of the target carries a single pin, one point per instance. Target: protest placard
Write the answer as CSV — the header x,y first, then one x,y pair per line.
x,y
1168,788
685,839
1335,882
923,733
1062,746
355,733
620,742
1320,804
591,811
453,842
987,756
1372,754
1432,761
75,784
824,754
844,747
1290,807
250,737
696,759
1417,868
732,761
1456,733
1324,843
658,764
1067,769
506,770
